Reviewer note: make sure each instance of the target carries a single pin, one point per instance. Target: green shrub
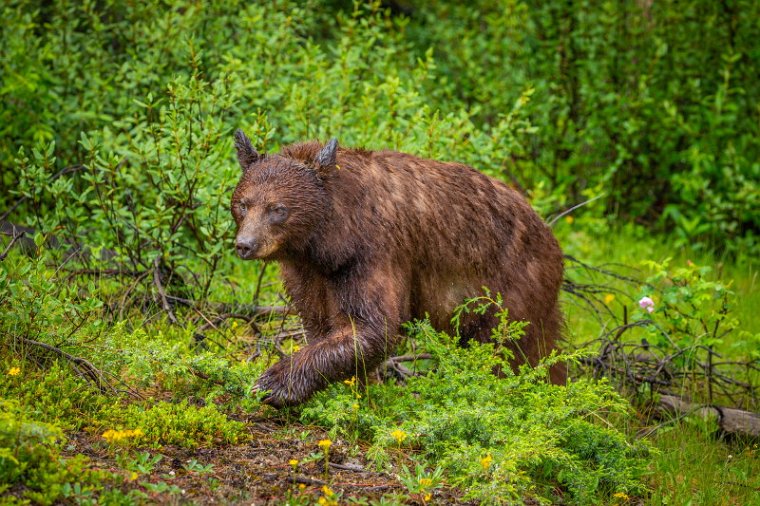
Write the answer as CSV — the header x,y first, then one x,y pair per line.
x,y
627,103
31,466
180,424
502,440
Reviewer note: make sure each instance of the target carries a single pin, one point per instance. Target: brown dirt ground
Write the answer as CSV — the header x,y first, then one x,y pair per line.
x,y
259,472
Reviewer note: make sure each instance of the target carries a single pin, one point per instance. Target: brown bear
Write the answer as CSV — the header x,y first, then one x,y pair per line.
x,y
367,240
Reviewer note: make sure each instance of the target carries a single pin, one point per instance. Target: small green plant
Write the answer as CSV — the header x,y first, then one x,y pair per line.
x,y
692,310
505,330
693,318
141,462
194,466
421,484
161,487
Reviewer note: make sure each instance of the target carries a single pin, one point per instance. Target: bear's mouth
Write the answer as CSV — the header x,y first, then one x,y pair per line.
x,y
247,248
252,249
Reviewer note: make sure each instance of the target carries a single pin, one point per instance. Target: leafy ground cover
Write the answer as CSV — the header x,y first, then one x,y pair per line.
x,y
188,429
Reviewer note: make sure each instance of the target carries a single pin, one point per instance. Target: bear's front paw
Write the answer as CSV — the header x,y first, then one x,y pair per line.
x,y
284,386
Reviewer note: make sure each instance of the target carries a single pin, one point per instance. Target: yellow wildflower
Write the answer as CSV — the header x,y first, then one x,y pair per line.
x,y
118,436
329,498
428,496
324,444
14,371
301,486
621,495
293,463
425,482
356,407
485,462
399,435
608,298
350,382
111,435
133,476
569,219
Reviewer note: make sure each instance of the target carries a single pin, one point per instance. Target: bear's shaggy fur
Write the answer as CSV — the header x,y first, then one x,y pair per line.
x,y
367,240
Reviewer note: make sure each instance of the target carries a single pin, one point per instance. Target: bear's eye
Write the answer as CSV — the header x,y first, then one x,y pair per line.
x,y
278,213
242,208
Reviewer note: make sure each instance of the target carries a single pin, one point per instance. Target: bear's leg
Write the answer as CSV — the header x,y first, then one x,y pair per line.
x,y
354,350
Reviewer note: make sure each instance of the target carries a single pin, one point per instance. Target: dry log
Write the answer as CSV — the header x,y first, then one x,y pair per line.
x,y
735,422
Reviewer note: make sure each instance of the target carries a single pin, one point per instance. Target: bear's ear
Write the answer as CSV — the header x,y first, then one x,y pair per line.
x,y
245,152
327,157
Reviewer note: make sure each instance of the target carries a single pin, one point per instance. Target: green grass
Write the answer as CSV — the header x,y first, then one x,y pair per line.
x,y
693,468
626,250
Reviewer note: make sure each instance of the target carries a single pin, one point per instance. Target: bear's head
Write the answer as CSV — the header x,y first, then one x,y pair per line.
x,y
278,201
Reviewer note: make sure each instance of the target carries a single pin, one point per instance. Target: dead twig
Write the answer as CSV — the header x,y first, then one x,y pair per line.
x,y
85,369
307,481
348,467
161,292
226,316
395,364
15,237
251,310
568,211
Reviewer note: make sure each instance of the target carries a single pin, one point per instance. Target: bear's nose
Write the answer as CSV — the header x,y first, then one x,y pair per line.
x,y
246,248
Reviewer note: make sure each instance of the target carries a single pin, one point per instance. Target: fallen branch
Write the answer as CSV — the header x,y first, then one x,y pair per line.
x,y
307,481
735,422
85,369
395,364
250,310
348,467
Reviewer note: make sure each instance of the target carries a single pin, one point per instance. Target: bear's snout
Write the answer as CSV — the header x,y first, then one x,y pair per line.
x,y
246,247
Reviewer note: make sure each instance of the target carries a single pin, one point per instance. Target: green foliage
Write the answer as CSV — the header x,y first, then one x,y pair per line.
x,y
184,425
653,104
38,306
694,309
500,439
30,458
56,395
142,462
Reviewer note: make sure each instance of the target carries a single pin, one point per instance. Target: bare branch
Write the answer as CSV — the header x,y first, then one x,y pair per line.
x,y
161,292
